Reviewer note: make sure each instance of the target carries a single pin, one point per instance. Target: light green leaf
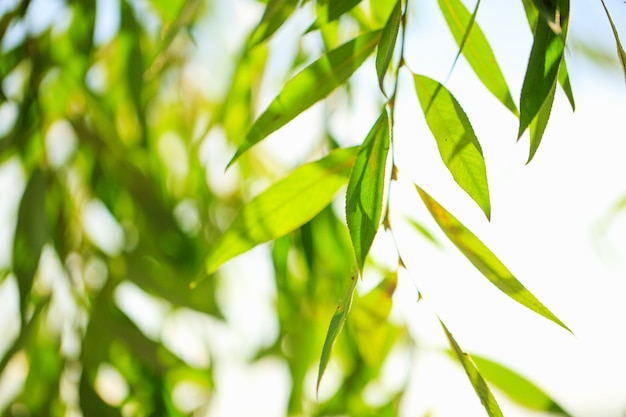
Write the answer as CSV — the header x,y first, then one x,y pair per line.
x,y
484,260
476,49
276,13
284,206
539,124
338,7
565,83
364,197
478,382
457,143
620,49
309,86
336,324
425,232
516,387
387,43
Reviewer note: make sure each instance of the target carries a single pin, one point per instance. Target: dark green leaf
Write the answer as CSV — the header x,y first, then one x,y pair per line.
x,y
484,260
309,86
620,49
336,324
284,206
387,43
457,143
478,382
364,197
538,125
338,7
565,83
276,13
476,49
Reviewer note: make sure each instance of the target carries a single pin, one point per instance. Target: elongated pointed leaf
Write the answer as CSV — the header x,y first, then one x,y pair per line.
x,y
517,388
476,49
484,260
457,143
478,382
284,206
276,13
336,324
309,86
387,43
338,7
618,44
539,124
364,197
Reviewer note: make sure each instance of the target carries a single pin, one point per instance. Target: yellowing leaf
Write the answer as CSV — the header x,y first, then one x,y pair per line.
x,y
364,197
457,143
478,382
484,260
309,86
284,206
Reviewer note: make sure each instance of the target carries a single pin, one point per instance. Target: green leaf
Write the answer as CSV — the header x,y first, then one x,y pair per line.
x,y
364,197
31,234
484,260
336,324
457,143
387,43
276,13
425,232
516,387
478,382
309,86
539,124
620,49
565,84
476,49
284,206
338,7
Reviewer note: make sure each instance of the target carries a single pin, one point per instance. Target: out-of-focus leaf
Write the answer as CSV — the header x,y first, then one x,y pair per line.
x,y
517,387
336,324
457,143
276,13
387,43
478,382
364,197
338,7
425,232
284,206
31,234
484,260
539,124
309,86
91,403
618,44
476,49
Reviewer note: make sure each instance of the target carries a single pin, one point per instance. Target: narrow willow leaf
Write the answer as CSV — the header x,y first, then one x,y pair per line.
x,y
276,13
565,84
516,387
387,43
338,7
478,382
364,197
31,234
539,124
457,143
484,260
309,86
541,74
425,232
476,49
284,206
336,324
620,49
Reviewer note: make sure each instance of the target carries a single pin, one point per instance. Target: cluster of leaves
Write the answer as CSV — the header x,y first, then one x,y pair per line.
x,y
135,156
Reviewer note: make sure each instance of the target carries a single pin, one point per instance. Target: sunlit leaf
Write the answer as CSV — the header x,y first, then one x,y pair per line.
x,y
484,260
387,43
364,197
338,7
565,83
516,387
336,324
478,382
476,49
539,123
309,86
284,206
457,143
618,44
276,13
425,232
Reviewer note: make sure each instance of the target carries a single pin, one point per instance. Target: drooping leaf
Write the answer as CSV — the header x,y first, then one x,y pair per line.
x,y
276,13
457,143
516,387
387,43
484,260
364,197
565,83
478,382
284,206
338,7
539,124
618,44
309,86
336,324
31,234
425,232
476,49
